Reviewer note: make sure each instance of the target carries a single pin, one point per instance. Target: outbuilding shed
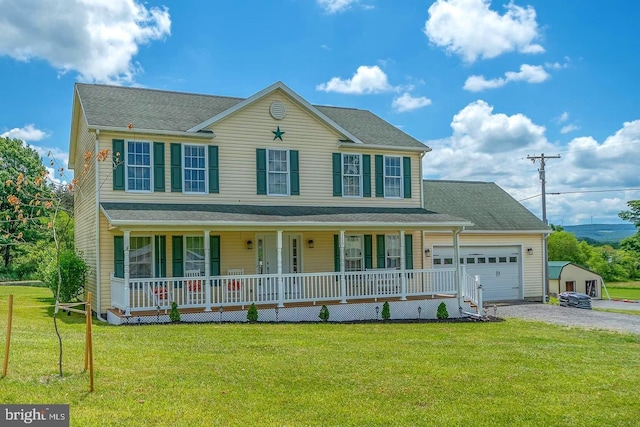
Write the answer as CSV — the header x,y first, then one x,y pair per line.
x,y
565,276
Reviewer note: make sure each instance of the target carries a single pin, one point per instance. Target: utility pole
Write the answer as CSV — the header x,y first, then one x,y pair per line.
x,y
545,256
542,159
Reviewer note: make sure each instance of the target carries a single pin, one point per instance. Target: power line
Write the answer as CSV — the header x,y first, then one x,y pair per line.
x,y
542,159
581,192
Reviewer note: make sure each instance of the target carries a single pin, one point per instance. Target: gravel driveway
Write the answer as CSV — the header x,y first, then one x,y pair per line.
x,y
570,316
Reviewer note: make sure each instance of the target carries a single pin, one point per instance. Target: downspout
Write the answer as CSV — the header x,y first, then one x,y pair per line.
x,y
97,222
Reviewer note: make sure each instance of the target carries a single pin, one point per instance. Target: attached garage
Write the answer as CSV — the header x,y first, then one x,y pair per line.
x,y
499,268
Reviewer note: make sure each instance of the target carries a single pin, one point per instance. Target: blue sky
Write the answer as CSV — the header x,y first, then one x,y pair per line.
x,y
483,83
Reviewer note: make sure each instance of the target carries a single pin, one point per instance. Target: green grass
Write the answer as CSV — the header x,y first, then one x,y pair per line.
x,y
616,291
481,374
621,311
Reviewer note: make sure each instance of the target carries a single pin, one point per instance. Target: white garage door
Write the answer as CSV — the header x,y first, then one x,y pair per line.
x,y
499,268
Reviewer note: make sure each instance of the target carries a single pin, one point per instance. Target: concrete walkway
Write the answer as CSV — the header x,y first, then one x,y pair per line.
x,y
569,316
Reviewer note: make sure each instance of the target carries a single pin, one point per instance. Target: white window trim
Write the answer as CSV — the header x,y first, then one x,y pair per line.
x,y
184,251
206,169
153,256
288,179
384,177
362,262
126,166
343,176
386,250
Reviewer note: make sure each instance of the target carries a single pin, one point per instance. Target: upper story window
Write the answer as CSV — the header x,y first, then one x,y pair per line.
x,y
392,247
195,167
138,166
393,177
278,172
352,175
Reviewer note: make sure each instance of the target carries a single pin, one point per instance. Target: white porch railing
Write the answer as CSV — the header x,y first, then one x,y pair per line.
x,y
242,290
472,290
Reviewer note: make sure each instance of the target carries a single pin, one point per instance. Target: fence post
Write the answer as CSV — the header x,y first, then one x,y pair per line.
x,y
479,292
8,342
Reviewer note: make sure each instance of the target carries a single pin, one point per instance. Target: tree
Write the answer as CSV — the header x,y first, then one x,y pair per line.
x,y
24,195
563,246
632,215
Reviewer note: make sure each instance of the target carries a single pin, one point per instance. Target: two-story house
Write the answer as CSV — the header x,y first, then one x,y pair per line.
x,y
215,203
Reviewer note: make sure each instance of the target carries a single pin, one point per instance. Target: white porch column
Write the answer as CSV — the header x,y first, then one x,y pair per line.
x,y
207,271
403,268
279,264
456,260
343,283
127,294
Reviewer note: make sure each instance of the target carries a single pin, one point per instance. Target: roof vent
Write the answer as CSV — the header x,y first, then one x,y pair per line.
x,y
277,110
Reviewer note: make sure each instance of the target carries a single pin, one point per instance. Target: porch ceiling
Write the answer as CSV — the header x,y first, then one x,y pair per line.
x,y
145,215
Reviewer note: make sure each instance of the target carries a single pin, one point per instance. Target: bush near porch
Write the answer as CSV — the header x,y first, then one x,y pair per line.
x,y
503,373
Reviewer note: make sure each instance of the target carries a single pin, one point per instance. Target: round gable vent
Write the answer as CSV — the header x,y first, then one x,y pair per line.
x,y
277,110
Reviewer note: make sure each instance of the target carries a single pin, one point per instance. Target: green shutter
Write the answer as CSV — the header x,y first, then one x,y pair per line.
x,y
261,170
381,258
161,256
406,168
336,252
408,251
158,166
214,178
118,256
368,251
366,175
294,172
178,256
337,174
214,250
118,161
176,167
379,175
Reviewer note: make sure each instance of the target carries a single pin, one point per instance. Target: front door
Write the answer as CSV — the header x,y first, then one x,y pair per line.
x,y
267,258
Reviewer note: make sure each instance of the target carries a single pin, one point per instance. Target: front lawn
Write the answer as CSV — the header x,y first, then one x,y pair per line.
x,y
481,374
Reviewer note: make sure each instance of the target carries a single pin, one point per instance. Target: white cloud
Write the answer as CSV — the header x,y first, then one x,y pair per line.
x,y
336,6
27,133
527,73
96,38
563,117
367,79
569,128
485,146
406,102
470,29
558,65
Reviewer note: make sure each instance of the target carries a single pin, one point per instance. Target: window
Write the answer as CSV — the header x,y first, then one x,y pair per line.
x,y
352,175
194,169
471,260
353,253
482,260
393,177
140,257
392,246
513,259
437,261
194,256
448,261
277,172
138,166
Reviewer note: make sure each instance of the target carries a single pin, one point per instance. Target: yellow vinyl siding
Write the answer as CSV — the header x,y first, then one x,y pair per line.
x,y
239,135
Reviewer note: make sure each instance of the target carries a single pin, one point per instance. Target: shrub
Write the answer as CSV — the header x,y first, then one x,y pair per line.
x,y
73,271
174,314
324,313
252,313
386,311
442,311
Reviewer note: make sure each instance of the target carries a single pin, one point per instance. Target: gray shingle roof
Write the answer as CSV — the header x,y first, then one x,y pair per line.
x,y
151,213
116,106
488,206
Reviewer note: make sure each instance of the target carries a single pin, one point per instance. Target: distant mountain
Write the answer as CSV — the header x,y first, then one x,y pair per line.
x,y
601,233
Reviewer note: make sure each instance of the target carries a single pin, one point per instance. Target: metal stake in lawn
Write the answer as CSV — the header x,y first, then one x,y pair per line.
x,y
541,158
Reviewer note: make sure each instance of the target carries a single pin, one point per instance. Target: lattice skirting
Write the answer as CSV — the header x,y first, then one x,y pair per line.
x,y
404,310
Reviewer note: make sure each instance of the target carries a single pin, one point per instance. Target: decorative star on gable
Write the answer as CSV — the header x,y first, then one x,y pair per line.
x,y
278,134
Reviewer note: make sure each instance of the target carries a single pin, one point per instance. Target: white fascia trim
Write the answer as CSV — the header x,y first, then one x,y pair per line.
x,y
131,225
74,134
342,144
266,91
192,135
507,232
